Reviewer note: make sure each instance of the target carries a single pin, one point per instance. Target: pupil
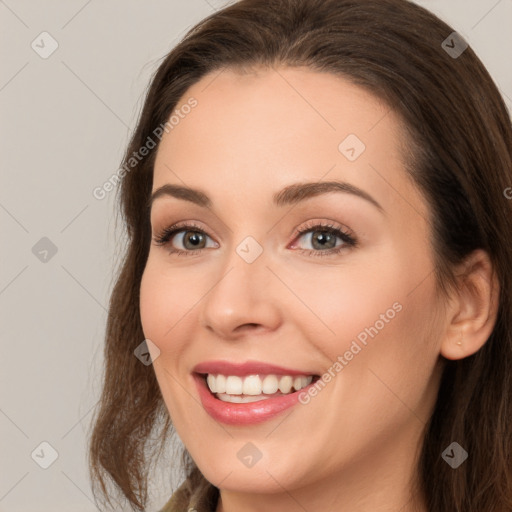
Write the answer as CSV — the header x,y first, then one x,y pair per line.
x,y
194,238
323,238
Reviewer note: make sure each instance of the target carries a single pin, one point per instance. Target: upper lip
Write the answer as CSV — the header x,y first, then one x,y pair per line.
x,y
245,368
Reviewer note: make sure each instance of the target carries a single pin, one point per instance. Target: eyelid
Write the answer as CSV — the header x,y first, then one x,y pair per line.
x,y
326,225
176,227
343,232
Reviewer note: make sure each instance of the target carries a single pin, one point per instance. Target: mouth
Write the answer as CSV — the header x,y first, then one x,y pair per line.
x,y
249,392
253,388
243,394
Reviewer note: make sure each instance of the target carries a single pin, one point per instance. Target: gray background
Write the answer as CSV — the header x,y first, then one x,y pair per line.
x,y
65,121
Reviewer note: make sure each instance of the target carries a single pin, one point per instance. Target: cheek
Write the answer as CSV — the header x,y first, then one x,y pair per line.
x,y
166,297
152,299
338,304
376,315
399,353
160,308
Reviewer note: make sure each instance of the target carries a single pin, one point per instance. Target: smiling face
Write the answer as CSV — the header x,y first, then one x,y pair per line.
x,y
353,297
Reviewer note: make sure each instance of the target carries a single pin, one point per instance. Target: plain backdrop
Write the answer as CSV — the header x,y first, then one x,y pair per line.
x,y
65,120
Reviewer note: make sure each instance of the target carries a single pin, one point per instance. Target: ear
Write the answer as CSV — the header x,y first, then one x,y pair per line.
x,y
474,307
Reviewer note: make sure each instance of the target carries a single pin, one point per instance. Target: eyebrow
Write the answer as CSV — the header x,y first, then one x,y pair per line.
x,y
290,195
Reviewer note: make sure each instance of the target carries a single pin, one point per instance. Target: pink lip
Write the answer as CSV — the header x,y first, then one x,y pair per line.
x,y
243,369
244,414
248,413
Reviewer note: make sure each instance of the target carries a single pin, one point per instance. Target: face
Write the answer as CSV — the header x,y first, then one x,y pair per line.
x,y
328,289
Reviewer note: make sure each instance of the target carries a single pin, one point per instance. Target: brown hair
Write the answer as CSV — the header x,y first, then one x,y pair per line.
x,y
460,139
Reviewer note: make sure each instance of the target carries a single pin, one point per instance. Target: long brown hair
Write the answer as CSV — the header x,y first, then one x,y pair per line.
x,y
460,145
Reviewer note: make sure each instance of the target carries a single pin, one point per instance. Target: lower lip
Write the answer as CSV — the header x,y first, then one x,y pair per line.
x,y
244,414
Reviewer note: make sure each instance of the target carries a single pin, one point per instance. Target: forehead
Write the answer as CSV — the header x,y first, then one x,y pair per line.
x,y
277,126
279,105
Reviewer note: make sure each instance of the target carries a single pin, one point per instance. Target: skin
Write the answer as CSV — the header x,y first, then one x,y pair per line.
x,y
355,444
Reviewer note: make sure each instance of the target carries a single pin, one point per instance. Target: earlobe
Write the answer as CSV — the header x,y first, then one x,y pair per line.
x,y
475,308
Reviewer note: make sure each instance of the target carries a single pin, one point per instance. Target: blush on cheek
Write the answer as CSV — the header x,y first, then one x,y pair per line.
x,y
152,314
162,322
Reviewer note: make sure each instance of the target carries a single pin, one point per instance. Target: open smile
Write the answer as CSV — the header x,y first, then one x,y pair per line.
x,y
243,394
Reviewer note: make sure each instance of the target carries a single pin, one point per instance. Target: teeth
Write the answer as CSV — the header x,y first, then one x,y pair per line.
x,y
285,384
232,388
239,399
220,384
252,385
270,384
234,385
210,380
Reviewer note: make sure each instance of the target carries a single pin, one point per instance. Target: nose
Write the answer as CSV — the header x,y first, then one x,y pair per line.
x,y
243,299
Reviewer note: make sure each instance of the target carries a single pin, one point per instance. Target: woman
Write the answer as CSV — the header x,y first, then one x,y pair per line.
x,y
365,132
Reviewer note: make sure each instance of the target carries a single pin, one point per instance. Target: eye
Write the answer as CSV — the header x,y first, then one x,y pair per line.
x,y
322,236
323,239
192,237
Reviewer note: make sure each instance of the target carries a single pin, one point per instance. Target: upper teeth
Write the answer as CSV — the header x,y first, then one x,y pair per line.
x,y
256,385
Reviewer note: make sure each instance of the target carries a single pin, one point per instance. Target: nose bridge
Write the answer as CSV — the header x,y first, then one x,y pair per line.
x,y
240,295
245,266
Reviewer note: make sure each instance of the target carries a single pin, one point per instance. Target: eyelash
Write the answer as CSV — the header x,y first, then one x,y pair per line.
x,y
164,237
